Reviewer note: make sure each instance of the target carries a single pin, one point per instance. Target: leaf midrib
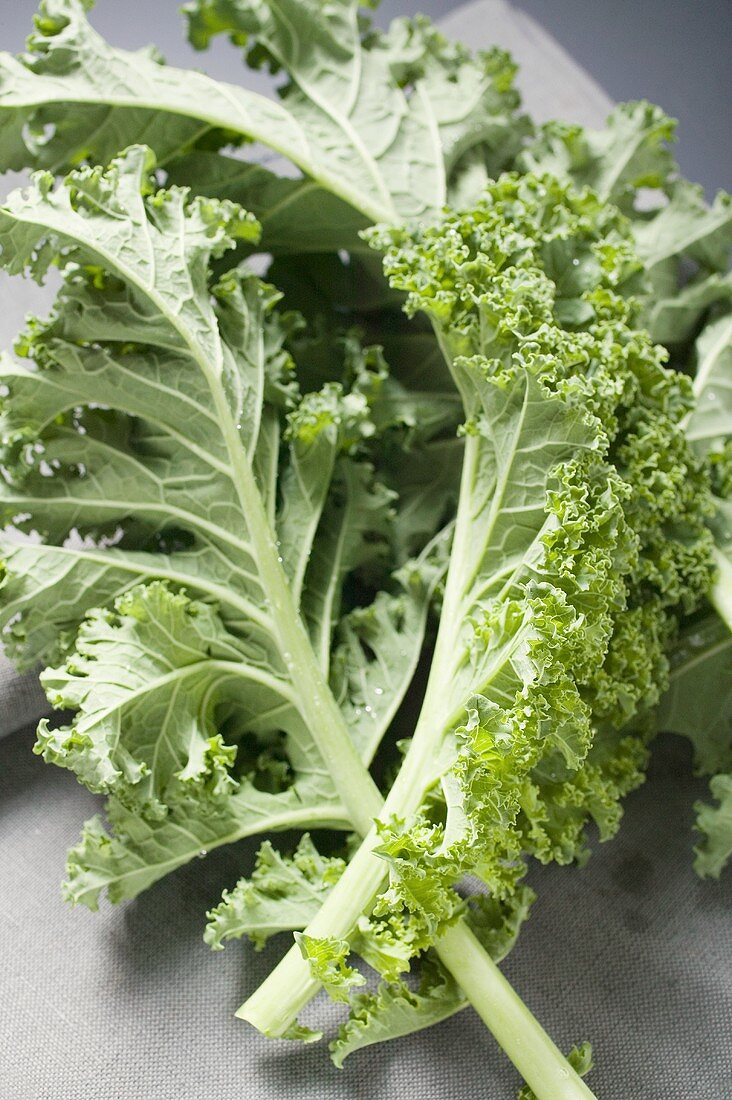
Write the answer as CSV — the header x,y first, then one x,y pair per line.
x,y
232,668
302,814
240,121
342,121
319,709
225,596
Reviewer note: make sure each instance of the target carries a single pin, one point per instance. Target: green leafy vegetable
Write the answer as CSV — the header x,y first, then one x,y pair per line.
x,y
258,908
382,122
245,537
715,822
175,508
579,540
699,702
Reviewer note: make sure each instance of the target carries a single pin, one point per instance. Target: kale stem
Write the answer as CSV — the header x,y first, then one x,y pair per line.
x,y
541,1064
273,1007
721,594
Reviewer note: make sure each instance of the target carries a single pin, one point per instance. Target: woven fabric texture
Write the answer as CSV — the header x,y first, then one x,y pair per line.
x,y
632,952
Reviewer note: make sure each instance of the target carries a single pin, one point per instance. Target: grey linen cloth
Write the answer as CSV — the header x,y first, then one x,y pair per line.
x,y
632,952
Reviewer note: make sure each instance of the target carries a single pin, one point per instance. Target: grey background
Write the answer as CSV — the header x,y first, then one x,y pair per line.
x,y
673,52
633,952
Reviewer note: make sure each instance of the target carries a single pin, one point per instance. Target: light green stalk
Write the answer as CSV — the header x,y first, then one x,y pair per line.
x,y
538,1060
721,594
274,1006
352,780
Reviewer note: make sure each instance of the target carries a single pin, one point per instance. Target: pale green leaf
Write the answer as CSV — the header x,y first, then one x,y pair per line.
x,y
715,822
283,894
133,448
326,958
698,703
630,153
710,424
347,120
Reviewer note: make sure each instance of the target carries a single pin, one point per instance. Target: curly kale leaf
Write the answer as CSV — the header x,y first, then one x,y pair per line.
x,y
699,701
683,243
580,539
169,483
378,123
